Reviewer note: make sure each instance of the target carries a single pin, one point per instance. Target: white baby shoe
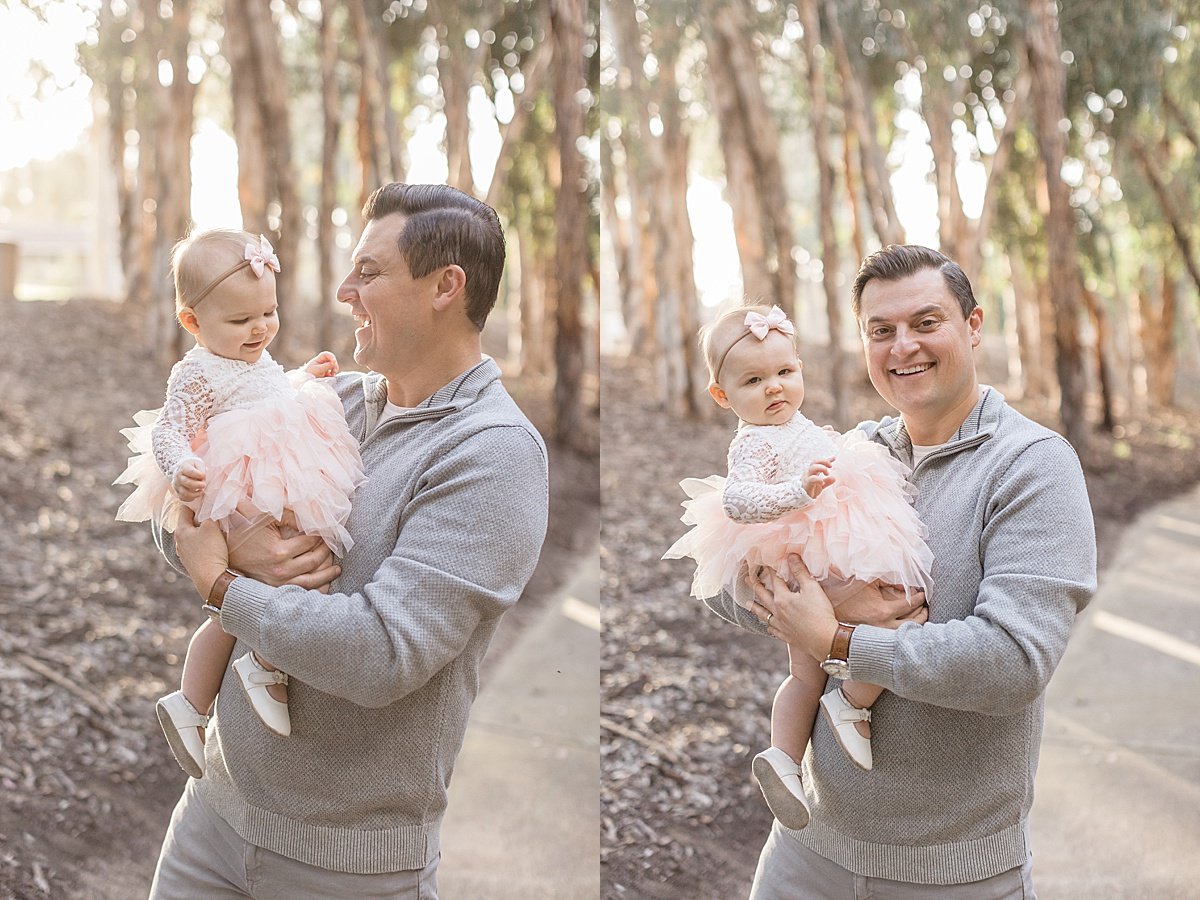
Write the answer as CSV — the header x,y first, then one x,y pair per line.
x,y
779,777
842,716
184,727
255,679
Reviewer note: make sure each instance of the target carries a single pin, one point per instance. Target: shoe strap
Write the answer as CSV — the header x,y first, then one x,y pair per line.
x,y
853,714
262,676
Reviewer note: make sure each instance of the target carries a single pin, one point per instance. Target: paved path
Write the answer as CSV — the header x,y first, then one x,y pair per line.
x,y
1117,810
524,812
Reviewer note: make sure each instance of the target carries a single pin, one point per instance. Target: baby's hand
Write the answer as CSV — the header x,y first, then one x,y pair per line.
x,y
323,365
819,477
188,483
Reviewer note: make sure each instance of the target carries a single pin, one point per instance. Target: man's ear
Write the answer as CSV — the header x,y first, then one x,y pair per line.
x,y
718,394
187,318
975,325
451,287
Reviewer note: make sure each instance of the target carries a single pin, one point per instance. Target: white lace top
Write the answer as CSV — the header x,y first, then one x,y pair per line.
x,y
767,465
202,385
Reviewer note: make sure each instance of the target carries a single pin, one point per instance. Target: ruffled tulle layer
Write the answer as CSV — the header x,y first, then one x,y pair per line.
x,y
284,453
862,527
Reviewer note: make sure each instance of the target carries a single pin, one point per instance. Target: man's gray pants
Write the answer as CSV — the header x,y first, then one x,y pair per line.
x,y
787,870
203,857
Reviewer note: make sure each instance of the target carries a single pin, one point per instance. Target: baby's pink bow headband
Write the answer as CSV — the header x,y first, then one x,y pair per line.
x,y
760,326
258,257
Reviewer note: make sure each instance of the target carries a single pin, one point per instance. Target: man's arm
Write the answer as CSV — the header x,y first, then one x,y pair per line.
x,y
1038,553
467,544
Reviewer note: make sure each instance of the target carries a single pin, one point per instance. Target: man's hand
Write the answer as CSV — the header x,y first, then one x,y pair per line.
x,y
858,603
188,481
275,553
201,550
801,617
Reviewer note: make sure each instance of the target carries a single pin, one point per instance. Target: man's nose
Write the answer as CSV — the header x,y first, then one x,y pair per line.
x,y
905,342
344,293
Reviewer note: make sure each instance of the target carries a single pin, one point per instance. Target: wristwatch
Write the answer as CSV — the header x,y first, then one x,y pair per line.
x,y
838,663
216,594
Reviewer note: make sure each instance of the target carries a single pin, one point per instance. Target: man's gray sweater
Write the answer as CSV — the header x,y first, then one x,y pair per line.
x,y
956,736
383,669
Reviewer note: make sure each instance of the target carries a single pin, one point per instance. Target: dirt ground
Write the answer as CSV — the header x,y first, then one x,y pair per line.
x,y
93,624
685,698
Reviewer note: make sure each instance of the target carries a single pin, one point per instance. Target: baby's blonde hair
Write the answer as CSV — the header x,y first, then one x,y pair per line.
x,y
719,335
201,257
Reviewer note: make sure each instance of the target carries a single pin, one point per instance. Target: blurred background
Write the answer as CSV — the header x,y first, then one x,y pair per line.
x,y
125,124
757,151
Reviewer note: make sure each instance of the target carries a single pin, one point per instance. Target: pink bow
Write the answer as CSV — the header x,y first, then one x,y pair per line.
x,y
262,256
759,324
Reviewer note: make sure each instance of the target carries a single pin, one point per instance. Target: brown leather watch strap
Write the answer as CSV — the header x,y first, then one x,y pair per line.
x,y
216,595
840,648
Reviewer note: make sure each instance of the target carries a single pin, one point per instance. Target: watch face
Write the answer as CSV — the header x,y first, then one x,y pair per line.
x,y
838,668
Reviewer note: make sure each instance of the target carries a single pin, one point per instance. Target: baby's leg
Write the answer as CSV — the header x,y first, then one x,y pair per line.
x,y
862,696
795,706
778,769
205,664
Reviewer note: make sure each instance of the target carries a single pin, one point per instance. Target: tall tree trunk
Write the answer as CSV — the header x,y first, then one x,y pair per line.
x,y
512,133
1029,332
570,219
618,230
810,19
372,148
249,130
683,380
331,126
856,229
1158,335
1179,229
1103,367
750,134
644,167
1049,79
860,117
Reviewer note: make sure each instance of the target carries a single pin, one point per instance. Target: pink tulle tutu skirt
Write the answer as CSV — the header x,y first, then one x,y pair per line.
x,y
862,527
283,453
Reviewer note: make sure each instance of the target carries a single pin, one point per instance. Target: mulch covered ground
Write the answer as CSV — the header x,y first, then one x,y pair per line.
x,y
685,698
93,623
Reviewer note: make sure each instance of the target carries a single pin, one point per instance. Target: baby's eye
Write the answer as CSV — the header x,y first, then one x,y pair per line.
x,y
754,379
240,321
785,371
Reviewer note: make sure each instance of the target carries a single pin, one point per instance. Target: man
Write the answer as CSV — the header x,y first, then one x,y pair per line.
x,y
383,667
945,810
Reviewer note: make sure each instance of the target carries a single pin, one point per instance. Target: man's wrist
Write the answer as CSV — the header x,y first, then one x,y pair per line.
x,y
837,663
215,596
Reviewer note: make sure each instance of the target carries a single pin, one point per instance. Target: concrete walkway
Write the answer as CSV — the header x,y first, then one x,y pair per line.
x,y
524,815
1117,810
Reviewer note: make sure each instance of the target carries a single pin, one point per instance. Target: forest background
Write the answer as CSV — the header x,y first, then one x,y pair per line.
x,y
129,122
760,150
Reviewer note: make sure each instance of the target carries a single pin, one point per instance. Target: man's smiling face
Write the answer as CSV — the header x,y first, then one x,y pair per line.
x,y
919,349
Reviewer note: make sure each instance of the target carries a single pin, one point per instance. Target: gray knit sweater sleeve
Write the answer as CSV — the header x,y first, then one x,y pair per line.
x,y
464,550
1035,571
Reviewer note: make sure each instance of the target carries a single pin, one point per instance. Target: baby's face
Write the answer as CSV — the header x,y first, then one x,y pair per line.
x,y
240,317
761,381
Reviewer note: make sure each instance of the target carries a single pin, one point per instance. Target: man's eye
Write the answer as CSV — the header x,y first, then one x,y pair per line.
x,y
927,323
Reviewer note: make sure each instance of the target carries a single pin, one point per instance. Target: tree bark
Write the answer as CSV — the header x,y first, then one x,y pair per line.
x,y
810,19
1049,79
330,129
570,218
858,113
1179,230
370,138
1103,367
750,136
535,76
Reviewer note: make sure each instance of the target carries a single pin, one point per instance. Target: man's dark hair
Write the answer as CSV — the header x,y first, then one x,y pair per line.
x,y
443,226
897,261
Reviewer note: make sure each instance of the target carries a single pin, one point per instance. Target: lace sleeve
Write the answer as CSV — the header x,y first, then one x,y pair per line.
x,y
750,495
189,403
